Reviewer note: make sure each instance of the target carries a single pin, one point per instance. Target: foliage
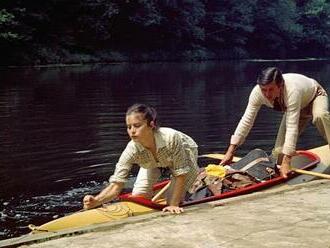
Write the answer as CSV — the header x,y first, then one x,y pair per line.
x,y
315,20
60,31
276,28
229,23
8,26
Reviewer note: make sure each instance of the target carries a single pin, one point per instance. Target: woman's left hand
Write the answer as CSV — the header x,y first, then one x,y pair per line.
x,y
173,209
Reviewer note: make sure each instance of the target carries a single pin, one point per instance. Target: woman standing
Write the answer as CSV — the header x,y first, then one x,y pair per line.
x,y
151,147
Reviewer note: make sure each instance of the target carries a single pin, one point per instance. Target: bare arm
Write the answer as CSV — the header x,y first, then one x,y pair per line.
x,y
178,190
106,195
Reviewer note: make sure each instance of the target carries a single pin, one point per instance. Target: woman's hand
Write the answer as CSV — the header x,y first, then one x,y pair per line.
x,y
173,209
106,195
90,201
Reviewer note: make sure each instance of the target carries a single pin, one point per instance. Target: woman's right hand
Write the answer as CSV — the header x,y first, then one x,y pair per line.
x,y
90,201
106,195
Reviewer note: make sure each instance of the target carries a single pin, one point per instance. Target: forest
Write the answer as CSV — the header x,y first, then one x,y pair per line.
x,y
42,32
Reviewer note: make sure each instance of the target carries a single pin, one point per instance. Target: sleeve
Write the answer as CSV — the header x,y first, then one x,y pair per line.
x,y
181,157
124,165
248,118
292,123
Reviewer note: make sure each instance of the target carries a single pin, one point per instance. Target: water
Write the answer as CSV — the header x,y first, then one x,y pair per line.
x,y
62,129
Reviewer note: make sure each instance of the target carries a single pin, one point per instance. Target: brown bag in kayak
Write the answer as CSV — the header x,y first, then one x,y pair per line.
x,y
217,185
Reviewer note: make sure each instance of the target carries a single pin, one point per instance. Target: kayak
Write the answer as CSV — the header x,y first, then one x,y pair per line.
x,y
129,206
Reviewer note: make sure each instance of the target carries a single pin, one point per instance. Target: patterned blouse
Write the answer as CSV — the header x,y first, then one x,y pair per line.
x,y
175,150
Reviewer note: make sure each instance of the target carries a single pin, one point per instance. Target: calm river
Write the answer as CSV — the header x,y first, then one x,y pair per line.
x,y
62,129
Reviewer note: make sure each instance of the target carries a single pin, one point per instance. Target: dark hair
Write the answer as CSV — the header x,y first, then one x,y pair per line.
x,y
149,113
269,75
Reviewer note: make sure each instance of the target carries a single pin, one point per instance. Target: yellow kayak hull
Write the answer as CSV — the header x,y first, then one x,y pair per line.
x,y
115,211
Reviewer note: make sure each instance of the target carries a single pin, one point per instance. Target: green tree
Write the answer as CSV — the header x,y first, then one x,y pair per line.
x,y
53,31
170,24
315,20
7,22
276,28
99,20
228,24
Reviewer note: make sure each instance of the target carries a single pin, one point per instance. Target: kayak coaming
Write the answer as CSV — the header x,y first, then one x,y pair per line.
x,y
133,206
323,152
323,167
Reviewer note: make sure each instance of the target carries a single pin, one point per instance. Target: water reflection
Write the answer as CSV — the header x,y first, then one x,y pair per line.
x,y
62,129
